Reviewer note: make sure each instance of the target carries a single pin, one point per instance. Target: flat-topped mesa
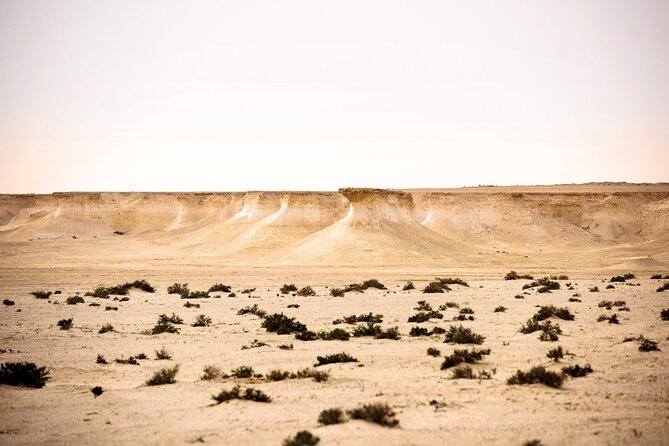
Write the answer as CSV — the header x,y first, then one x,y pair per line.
x,y
371,207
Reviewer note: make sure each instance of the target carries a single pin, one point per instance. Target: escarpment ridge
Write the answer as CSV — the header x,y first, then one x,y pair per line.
x,y
611,224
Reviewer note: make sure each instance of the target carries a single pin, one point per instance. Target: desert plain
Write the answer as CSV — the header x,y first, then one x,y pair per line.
x,y
582,235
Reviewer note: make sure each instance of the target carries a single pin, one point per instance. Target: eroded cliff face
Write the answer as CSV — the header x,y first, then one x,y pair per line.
x,y
351,226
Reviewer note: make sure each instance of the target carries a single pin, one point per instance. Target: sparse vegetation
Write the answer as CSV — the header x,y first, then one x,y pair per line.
x,y
408,286
254,344
659,276
174,319
500,309
163,376
41,294
337,334
424,316
163,354
556,353
287,289
352,319
210,373
249,394
106,328
623,278
97,391
377,413
463,335
302,438
337,292
219,288
664,314
202,320
243,372
8,302
65,324
164,326
537,375
613,319
549,332
431,351
331,416
466,372
334,359
26,374
279,323
121,290
73,300
306,336
512,275
646,345
663,287
549,311
594,289
463,356
576,371
253,310
100,359
191,305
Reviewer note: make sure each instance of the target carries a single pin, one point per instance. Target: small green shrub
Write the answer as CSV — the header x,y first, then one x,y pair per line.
x,y
41,294
337,334
163,376
287,289
178,288
556,353
334,359
352,319
302,438
576,371
73,300
163,354
391,333
243,372
424,316
249,394
164,327
549,311
174,319
219,288
65,324
25,374
537,375
466,356
306,291
106,328
278,375
433,352
377,413
202,320
331,416
371,329
463,335
282,324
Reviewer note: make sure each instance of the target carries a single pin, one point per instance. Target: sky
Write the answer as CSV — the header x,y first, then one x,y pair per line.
x,y
137,95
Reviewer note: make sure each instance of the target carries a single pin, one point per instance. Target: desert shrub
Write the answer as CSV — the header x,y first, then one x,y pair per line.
x,y
140,284
377,413
131,360
306,291
519,296
302,438
286,346
451,281
419,331
178,288
287,289
466,310
65,324
663,287
121,290
424,316
438,330
574,299
306,336
334,358
8,302
390,333
659,276
73,300
336,292
433,351
253,310
548,311
243,372
219,288
174,319
196,295
370,329
617,279
249,394
545,285
111,308
500,309
164,327
408,286
556,353
463,317
466,356
610,287
448,305
373,283
97,391
463,335
331,416
293,306
467,372
646,345
549,332
255,344
664,314
248,290
202,320
512,275
352,319
613,319
316,375
100,359
337,334
594,289
163,353
422,305
435,287
282,324
106,328
57,292
210,373
537,375
576,371
41,294
605,304
278,375
25,374
191,305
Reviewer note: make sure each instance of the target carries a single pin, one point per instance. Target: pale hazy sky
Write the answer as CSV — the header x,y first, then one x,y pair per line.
x,y
239,95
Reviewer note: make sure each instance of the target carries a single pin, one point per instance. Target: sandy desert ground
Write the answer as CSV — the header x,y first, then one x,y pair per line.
x,y
75,242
